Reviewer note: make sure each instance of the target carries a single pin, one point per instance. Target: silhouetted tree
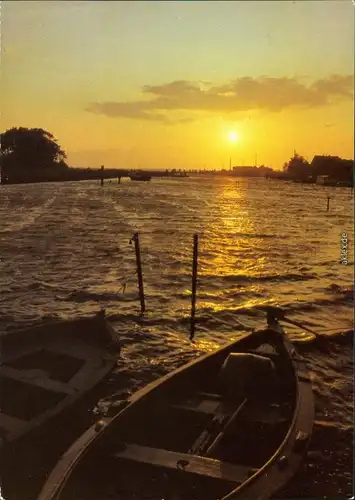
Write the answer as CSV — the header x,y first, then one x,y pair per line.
x,y
30,149
297,167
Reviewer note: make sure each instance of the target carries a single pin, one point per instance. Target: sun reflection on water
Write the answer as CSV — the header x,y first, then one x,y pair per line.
x,y
227,243
206,345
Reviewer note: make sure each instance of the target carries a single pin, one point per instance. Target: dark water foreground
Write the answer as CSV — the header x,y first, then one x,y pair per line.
x,y
64,252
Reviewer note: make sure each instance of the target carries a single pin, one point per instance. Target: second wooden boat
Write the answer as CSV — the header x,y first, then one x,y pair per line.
x,y
48,368
140,176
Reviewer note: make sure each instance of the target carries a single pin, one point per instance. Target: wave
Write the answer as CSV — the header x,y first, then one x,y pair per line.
x,y
262,235
247,278
30,217
86,295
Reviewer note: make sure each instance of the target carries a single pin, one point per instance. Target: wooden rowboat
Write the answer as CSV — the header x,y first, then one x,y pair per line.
x,y
140,176
188,436
47,369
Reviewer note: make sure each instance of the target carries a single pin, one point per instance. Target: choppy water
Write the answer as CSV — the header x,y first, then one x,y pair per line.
x,y
65,252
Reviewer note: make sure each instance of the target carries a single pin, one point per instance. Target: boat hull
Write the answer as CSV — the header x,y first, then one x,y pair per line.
x,y
211,466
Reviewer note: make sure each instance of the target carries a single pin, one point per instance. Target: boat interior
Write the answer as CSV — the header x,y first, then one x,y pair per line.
x,y
190,437
46,367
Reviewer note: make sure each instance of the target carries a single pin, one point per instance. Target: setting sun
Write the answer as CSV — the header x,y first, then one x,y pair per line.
x,y
233,136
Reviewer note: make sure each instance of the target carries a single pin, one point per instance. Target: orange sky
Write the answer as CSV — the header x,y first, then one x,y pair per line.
x,y
163,84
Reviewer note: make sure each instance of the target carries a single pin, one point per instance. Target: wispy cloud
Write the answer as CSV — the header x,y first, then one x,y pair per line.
x,y
243,94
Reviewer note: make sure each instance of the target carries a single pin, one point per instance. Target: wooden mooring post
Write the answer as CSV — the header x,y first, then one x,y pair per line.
x,y
328,199
194,287
102,175
139,271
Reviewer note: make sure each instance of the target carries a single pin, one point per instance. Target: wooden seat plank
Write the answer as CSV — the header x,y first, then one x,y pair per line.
x,y
188,463
204,406
76,350
209,406
212,404
30,377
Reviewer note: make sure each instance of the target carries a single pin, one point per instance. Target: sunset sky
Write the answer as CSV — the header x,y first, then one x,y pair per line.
x,y
181,84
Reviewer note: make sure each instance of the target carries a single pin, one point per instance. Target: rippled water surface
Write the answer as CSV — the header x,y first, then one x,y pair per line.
x,y
65,252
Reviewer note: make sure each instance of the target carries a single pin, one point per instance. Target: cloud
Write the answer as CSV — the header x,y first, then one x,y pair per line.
x,y
125,109
242,94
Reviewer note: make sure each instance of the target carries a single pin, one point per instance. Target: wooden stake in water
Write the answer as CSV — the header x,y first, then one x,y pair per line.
x,y
102,175
139,271
328,198
194,286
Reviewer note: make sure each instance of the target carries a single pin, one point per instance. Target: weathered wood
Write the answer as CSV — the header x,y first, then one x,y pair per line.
x,y
139,271
187,463
102,175
85,346
30,377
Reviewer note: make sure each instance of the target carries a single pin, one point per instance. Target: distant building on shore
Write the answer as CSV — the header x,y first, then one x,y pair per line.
x,y
332,169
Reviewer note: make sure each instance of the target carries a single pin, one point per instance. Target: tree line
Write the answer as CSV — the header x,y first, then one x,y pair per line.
x,y
33,153
338,169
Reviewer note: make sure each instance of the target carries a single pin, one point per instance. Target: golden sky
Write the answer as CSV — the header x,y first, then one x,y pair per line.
x,y
165,84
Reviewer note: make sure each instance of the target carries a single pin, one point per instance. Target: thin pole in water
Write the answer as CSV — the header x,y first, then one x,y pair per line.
x,y
328,198
139,271
194,286
102,175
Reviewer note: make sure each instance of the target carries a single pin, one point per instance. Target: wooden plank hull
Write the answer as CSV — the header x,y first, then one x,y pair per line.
x,y
237,454
48,370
